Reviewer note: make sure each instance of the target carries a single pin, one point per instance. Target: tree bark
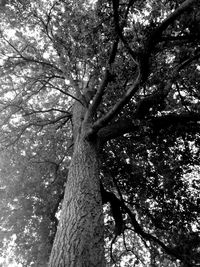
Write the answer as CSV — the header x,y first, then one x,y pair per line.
x,y
79,240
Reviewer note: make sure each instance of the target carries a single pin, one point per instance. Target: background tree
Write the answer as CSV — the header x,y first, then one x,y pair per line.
x,y
100,106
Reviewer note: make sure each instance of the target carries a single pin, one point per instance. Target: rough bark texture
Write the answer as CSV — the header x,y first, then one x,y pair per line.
x,y
79,239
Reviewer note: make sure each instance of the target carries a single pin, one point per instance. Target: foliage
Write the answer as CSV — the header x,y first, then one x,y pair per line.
x,y
49,50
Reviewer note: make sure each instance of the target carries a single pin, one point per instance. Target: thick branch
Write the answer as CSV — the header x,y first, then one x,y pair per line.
x,y
139,230
119,30
159,96
52,214
155,36
157,123
97,98
171,18
115,205
117,129
110,197
144,64
173,119
115,109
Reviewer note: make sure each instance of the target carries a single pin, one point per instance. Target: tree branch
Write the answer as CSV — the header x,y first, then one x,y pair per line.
x,y
111,197
65,93
97,98
115,109
154,38
139,230
174,119
28,113
29,59
171,18
117,129
143,66
159,96
119,29
156,123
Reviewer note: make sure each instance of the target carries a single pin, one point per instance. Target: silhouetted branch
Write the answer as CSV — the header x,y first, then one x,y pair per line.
x,y
98,97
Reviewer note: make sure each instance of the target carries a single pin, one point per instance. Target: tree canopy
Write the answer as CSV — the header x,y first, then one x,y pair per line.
x,y
134,65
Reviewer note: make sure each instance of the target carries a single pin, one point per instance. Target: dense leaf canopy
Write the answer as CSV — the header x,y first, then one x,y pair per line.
x,y
144,55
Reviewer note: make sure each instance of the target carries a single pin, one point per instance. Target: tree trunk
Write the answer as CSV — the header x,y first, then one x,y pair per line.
x,y
79,239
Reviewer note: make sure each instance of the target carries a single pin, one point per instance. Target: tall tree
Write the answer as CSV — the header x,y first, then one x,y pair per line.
x,y
100,104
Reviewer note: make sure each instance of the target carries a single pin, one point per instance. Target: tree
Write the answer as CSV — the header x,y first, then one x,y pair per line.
x,y
100,104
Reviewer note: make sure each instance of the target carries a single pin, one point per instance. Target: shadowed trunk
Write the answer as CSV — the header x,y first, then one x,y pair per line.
x,y
79,239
